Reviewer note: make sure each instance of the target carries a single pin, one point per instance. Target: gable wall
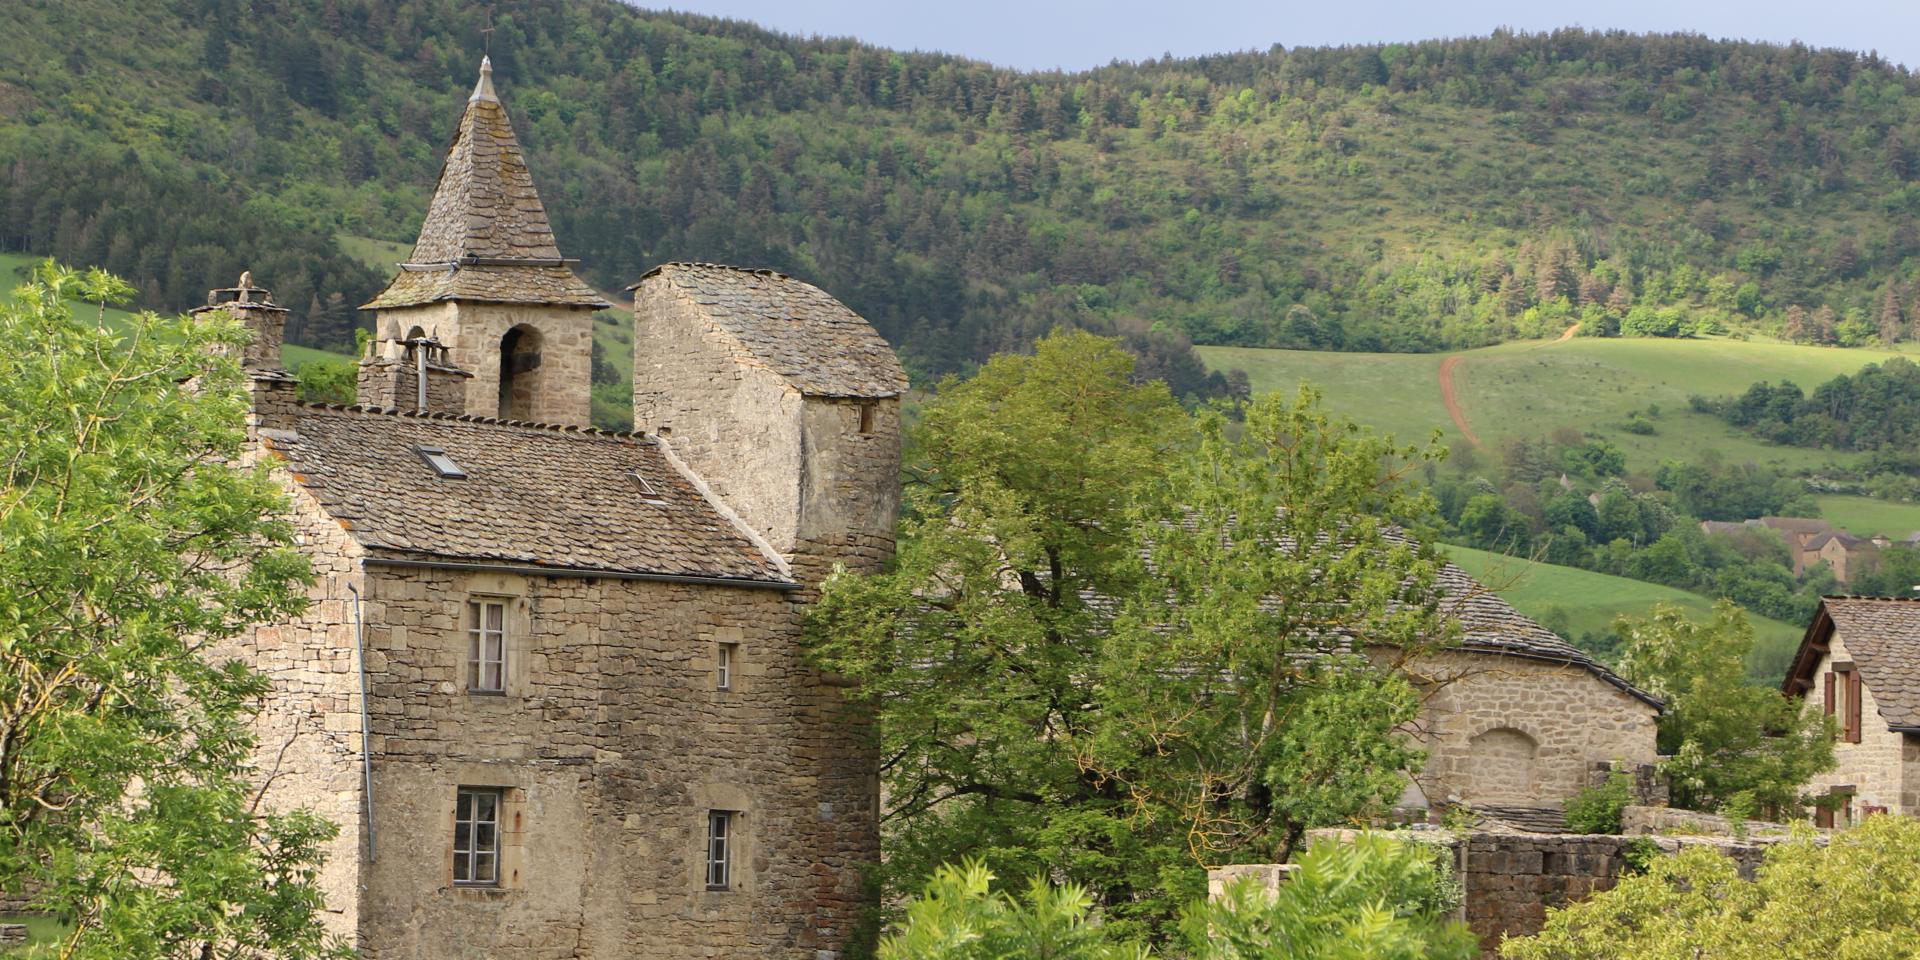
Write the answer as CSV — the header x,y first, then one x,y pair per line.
x,y
1879,767
612,744
1481,710
737,424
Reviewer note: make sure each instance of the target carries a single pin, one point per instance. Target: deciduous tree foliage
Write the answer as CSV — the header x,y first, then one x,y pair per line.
x,y
1856,898
131,543
1727,742
1372,899
1119,641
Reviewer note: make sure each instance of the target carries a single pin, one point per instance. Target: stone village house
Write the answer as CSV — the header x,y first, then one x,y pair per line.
x,y
551,684
1859,662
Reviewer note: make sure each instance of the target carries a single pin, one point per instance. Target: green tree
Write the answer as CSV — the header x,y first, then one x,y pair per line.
x,y
1727,740
1073,667
1376,898
132,541
960,917
1856,897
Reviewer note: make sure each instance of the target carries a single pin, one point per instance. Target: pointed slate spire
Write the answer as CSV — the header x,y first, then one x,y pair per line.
x,y
486,236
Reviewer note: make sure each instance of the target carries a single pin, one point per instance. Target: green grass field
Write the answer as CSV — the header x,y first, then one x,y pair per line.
x,y
43,937
1865,516
1591,601
1530,389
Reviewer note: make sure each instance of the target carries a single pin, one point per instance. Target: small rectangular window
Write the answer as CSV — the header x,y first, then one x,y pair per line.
x,y
486,646
719,849
866,418
441,463
723,666
476,837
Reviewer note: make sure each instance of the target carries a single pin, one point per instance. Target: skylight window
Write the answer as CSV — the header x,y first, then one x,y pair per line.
x,y
648,492
441,463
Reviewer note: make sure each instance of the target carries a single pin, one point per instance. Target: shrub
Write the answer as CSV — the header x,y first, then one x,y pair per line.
x,y
1597,809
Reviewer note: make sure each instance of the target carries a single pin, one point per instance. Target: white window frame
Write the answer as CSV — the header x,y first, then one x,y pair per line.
x,y
721,840
482,629
724,657
472,853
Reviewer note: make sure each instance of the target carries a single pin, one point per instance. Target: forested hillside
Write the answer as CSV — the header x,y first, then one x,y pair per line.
x,y
1402,197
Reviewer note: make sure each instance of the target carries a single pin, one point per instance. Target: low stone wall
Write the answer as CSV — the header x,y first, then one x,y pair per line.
x,y
1509,879
1666,821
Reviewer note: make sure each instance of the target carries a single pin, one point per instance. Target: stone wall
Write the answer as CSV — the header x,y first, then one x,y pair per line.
x,y
1506,730
611,744
557,390
736,423
308,751
1509,880
1878,768
799,470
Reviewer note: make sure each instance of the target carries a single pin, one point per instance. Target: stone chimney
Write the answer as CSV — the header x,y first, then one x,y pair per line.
x,y
412,373
263,318
275,391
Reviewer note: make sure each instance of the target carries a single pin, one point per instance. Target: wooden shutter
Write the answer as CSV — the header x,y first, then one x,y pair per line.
x,y
1823,817
1829,693
1853,706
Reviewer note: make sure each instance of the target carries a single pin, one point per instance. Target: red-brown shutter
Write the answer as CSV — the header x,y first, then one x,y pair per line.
x,y
1823,817
1829,694
1853,706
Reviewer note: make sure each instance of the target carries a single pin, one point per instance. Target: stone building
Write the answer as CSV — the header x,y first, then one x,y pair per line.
x,y
1859,662
550,685
1515,718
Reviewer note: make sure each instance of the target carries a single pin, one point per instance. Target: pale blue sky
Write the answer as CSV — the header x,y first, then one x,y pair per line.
x,y
1076,34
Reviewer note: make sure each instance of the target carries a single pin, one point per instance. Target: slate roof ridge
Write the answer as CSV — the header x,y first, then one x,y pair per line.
x,y
788,326
1882,635
640,436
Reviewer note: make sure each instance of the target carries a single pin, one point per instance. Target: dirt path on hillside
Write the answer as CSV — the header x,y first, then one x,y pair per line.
x,y
1568,333
1453,403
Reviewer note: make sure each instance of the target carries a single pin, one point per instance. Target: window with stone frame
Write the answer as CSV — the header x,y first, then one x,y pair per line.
x,y
486,645
725,656
476,836
721,842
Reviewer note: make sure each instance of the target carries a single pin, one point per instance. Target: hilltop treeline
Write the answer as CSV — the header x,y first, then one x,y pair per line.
x,y
1399,197
1875,409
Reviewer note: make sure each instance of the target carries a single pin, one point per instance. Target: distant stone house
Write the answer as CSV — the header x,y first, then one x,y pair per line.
x,y
1859,662
1843,553
1810,543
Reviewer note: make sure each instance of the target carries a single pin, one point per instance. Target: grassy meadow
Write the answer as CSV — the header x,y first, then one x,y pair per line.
x,y
1531,388
1591,601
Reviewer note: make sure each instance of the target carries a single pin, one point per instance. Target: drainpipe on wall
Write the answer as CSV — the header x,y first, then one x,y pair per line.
x,y
366,724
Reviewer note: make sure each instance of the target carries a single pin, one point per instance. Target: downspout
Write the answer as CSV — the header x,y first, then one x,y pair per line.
x,y
366,724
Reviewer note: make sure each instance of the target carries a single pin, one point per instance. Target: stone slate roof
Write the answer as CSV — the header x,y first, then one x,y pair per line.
x,y
793,328
1882,634
534,495
486,215
1489,624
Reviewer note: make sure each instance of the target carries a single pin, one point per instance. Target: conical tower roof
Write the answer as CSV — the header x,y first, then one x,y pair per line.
x,y
486,236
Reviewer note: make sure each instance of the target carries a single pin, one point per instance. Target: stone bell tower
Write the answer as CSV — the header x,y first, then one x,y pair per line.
x,y
487,280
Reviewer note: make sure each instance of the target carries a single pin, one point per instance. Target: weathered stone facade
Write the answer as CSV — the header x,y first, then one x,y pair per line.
x,y
795,465
1882,770
1506,730
645,638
